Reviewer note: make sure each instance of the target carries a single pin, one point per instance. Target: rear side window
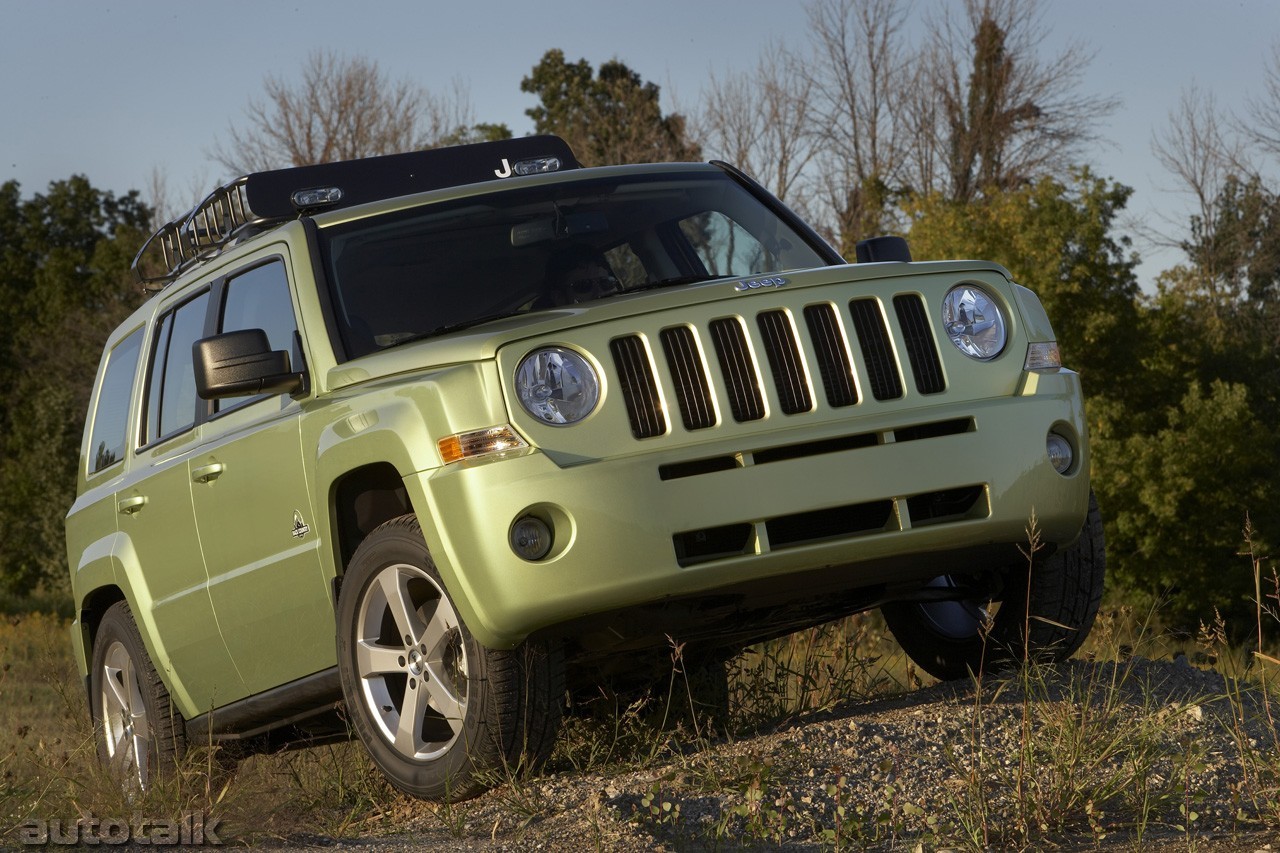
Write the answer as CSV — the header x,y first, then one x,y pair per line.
x,y
171,400
111,418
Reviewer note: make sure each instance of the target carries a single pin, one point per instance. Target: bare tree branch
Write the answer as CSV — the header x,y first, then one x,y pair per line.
x,y
1193,149
763,122
1263,112
342,109
856,74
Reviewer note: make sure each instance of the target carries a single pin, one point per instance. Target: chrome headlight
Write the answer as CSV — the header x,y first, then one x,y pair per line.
x,y
557,386
974,322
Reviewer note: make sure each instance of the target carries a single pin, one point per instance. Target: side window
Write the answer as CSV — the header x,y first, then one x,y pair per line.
x,y
171,401
111,417
259,299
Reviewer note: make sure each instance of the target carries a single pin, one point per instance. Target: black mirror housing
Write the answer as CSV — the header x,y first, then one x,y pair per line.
x,y
242,364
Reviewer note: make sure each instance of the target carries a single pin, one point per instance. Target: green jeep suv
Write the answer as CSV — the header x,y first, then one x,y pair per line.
x,y
423,444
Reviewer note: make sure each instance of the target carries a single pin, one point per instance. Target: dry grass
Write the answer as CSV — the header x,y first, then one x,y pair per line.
x,y
1085,760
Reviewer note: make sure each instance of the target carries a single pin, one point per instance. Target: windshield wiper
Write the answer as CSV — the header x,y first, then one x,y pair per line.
x,y
673,282
457,327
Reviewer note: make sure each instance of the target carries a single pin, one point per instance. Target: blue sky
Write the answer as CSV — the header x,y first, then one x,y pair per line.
x,y
116,90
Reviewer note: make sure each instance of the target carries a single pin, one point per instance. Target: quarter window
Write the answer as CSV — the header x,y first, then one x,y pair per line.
x,y
111,417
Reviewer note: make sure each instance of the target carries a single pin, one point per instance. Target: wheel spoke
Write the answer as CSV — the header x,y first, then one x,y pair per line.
x,y
440,630
442,695
116,693
373,659
395,586
409,730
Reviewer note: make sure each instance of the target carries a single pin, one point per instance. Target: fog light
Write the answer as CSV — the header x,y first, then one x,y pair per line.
x,y
530,538
1060,453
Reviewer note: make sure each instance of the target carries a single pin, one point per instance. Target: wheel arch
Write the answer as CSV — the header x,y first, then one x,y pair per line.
x,y
361,500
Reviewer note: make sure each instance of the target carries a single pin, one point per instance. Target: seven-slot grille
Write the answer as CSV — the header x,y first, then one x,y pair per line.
x,y
778,353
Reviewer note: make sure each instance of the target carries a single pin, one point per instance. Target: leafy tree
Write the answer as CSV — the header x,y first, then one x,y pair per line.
x,y
1187,460
1177,498
64,284
607,118
1235,244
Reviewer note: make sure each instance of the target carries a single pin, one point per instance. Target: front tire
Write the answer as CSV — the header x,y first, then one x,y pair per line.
x,y
1046,614
140,735
439,713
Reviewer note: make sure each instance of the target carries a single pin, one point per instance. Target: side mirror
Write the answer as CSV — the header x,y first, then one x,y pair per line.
x,y
241,364
879,249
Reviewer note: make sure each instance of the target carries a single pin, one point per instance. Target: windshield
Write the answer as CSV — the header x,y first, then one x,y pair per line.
x,y
442,267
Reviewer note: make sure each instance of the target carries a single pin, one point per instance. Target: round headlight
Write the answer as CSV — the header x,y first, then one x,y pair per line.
x,y
557,386
974,322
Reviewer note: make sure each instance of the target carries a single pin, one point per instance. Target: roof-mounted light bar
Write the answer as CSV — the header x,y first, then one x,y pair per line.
x,y
536,166
319,197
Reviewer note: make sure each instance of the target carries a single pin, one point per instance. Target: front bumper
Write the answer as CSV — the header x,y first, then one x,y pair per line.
x,y
893,499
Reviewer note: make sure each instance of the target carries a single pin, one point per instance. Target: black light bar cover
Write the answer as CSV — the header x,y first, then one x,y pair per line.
x,y
376,178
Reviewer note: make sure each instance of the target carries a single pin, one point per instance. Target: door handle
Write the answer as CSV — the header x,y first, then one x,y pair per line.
x,y
128,506
207,473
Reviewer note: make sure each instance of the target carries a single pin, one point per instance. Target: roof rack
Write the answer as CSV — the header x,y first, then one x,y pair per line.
x,y
256,202
222,216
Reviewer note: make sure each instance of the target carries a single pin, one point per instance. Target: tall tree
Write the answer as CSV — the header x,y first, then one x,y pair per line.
x,y
64,284
858,70
976,107
1005,115
608,117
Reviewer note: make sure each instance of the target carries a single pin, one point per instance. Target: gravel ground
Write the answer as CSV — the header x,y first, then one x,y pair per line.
x,y
923,770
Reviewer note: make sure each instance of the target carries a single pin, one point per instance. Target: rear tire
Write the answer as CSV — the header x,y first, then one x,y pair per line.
x,y
140,735
442,716
946,638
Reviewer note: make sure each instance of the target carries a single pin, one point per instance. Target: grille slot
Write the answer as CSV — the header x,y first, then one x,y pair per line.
x,y
948,505
804,527
784,361
745,400
692,391
937,429
639,390
834,365
877,354
921,351
711,543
